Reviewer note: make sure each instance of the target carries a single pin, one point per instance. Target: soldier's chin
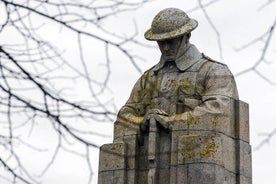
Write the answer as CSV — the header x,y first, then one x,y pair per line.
x,y
169,58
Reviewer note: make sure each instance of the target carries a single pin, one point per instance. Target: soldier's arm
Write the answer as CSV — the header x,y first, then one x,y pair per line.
x,y
219,88
131,114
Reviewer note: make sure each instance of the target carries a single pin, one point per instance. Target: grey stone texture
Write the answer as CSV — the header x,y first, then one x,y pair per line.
x,y
170,23
183,122
185,156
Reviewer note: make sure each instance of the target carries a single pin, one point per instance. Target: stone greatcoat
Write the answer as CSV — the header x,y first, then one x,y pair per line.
x,y
187,89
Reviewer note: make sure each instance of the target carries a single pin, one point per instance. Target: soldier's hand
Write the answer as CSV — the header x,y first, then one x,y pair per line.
x,y
156,111
152,113
164,121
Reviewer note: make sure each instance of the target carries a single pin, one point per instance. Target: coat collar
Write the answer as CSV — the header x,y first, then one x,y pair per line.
x,y
185,59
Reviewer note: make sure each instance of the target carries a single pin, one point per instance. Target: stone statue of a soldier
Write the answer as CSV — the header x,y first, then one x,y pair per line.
x,y
183,82
178,124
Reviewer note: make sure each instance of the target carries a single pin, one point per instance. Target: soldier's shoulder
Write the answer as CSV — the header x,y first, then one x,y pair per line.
x,y
210,64
208,59
149,71
147,74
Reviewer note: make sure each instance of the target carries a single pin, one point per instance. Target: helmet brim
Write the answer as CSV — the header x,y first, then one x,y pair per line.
x,y
187,28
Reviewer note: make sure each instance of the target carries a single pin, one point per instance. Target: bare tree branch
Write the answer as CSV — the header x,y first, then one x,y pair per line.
x,y
266,4
266,140
16,176
38,79
266,38
202,7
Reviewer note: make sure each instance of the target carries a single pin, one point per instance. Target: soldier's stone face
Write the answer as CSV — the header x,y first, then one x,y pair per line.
x,y
169,48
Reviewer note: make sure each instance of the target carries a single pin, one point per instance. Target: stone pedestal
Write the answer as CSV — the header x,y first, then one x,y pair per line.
x,y
210,150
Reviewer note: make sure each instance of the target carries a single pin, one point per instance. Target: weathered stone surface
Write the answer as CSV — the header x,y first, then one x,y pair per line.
x,y
142,176
181,172
243,180
207,147
199,148
229,153
203,173
173,174
131,151
209,173
112,157
164,150
224,123
170,23
125,129
183,122
244,159
105,177
164,176
119,177
112,177
242,121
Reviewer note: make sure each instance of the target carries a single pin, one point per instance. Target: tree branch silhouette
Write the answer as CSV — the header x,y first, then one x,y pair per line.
x,y
37,78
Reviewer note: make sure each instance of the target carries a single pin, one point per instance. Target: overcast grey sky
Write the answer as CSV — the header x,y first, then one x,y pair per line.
x,y
238,22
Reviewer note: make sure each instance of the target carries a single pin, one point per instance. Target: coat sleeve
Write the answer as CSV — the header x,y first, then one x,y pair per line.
x,y
132,113
219,90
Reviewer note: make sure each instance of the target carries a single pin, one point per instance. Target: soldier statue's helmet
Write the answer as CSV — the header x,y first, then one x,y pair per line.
x,y
170,23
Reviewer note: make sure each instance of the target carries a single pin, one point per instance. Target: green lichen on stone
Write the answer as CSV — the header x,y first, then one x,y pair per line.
x,y
189,149
189,27
186,84
209,149
214,121
172,84
191,119
188,155
212,83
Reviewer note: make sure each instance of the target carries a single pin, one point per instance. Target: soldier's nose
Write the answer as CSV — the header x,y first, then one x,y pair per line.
x,y
166,46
